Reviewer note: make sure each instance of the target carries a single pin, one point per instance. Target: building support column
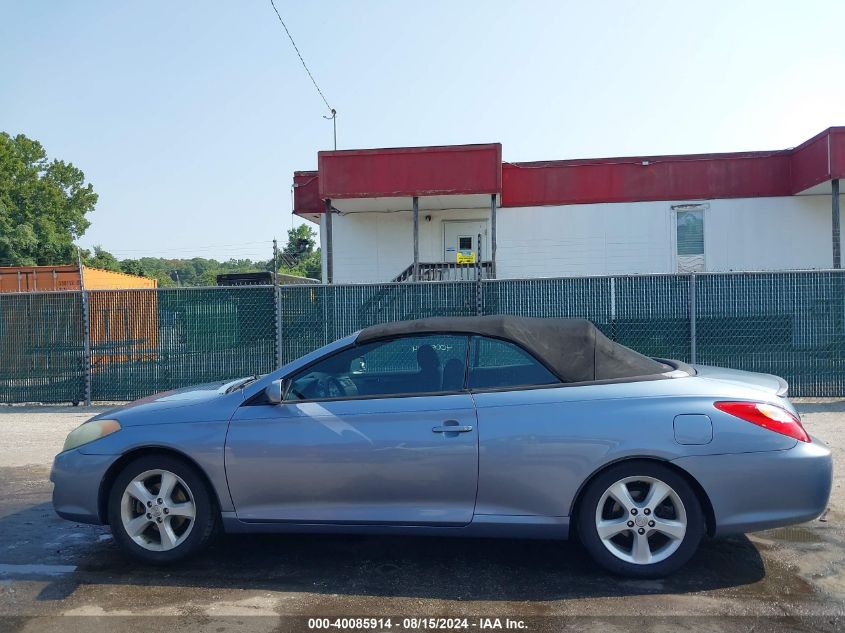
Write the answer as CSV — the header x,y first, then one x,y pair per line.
x,y
329,249
416,209
837,242
493,236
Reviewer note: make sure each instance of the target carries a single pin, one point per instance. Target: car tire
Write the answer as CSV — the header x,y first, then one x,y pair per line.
x,y
648,534
161,528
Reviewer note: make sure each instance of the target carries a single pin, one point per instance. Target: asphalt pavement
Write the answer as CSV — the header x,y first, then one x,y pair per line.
x,y
785,579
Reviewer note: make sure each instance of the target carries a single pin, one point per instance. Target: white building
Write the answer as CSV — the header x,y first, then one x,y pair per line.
x,y
385,214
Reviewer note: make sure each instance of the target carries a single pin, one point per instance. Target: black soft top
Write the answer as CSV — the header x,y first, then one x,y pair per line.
x,y
574,349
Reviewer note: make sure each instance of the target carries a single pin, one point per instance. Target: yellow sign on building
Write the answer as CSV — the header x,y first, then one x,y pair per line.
x,y
466,258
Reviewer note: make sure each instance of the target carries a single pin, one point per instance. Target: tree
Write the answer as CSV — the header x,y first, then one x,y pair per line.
x,y
299,257
102,259
301,240
43,204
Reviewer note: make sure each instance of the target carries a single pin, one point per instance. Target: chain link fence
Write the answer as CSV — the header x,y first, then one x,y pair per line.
x,y
144,341
42,356
137,342
313,316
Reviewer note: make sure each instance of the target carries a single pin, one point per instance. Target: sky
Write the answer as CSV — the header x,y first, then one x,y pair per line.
x,y
190,117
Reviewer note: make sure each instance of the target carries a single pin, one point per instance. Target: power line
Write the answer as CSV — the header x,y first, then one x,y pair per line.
x,y
231,246
304,65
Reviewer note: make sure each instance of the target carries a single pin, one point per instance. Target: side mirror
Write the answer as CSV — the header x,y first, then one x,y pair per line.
x,y
277,391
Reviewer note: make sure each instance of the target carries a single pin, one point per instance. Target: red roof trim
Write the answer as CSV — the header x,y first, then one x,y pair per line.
x,y
637,160
410,171
419,149
306,194
388,172
658,178
837,152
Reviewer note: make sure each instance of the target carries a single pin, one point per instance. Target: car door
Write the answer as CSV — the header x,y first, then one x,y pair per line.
x,y
522,466
382,433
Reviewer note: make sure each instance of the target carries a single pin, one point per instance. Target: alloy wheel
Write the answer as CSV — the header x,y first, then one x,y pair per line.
x,y
641,520
157,510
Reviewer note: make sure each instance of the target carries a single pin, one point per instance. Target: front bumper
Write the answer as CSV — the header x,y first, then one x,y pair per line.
x,y
759,491
76,481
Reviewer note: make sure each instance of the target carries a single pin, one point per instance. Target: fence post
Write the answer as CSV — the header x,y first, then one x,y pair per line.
x,y
613,308
479,268
86,346
277,312
692,318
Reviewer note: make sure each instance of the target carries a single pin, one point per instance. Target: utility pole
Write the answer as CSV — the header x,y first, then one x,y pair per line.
x,y
277,305
333,119
328,236
275,262
86,332
81,270
837,242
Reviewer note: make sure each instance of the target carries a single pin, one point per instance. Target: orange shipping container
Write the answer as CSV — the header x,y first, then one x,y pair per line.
x,y
53,278
124,325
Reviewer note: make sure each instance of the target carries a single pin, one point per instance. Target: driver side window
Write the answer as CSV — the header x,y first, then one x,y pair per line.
x,y
402,366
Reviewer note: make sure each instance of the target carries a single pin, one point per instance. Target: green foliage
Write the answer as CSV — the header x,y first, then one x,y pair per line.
x,y
101,259
301,240
299,256
308,265
196,271
43,204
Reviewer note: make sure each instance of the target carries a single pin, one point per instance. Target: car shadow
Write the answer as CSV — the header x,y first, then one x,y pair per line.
x,y
37,543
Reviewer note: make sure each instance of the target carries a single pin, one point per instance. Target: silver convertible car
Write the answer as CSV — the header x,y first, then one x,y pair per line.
x,y
472,426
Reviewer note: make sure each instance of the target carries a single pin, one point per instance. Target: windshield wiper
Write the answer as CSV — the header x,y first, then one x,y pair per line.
x,y
243,383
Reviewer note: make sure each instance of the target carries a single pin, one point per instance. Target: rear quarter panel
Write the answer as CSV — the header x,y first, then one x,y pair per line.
x,y
539,446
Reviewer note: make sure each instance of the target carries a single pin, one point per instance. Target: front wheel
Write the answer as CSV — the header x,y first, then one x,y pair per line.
x,y
160,509
640,519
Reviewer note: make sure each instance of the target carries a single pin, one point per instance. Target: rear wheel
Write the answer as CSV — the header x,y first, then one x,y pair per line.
x,y
640,519
160,509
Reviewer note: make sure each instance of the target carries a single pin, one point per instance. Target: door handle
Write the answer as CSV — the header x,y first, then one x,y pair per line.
x,y
452,426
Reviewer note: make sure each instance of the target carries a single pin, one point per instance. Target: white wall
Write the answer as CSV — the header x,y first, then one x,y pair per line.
x,y
639,237
769,233
589,239
597,239
373,247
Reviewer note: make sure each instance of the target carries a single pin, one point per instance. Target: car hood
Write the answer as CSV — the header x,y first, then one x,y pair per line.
x,y
204,402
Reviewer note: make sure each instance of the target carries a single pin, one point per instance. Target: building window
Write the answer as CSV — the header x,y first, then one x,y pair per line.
x,y
689,234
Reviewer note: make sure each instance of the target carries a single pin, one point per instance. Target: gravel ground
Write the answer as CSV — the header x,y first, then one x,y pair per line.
x,y
795,576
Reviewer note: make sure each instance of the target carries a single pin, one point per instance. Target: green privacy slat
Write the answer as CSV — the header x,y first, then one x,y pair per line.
x,y
41,347
144,341
789,324
315,315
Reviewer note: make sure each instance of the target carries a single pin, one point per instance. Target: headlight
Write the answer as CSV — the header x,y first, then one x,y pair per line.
x,y
89,432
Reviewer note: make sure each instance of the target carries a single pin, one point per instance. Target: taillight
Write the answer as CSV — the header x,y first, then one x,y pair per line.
x,y
768,416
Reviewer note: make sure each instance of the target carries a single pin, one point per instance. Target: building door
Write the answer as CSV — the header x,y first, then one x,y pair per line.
x,y
460,241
